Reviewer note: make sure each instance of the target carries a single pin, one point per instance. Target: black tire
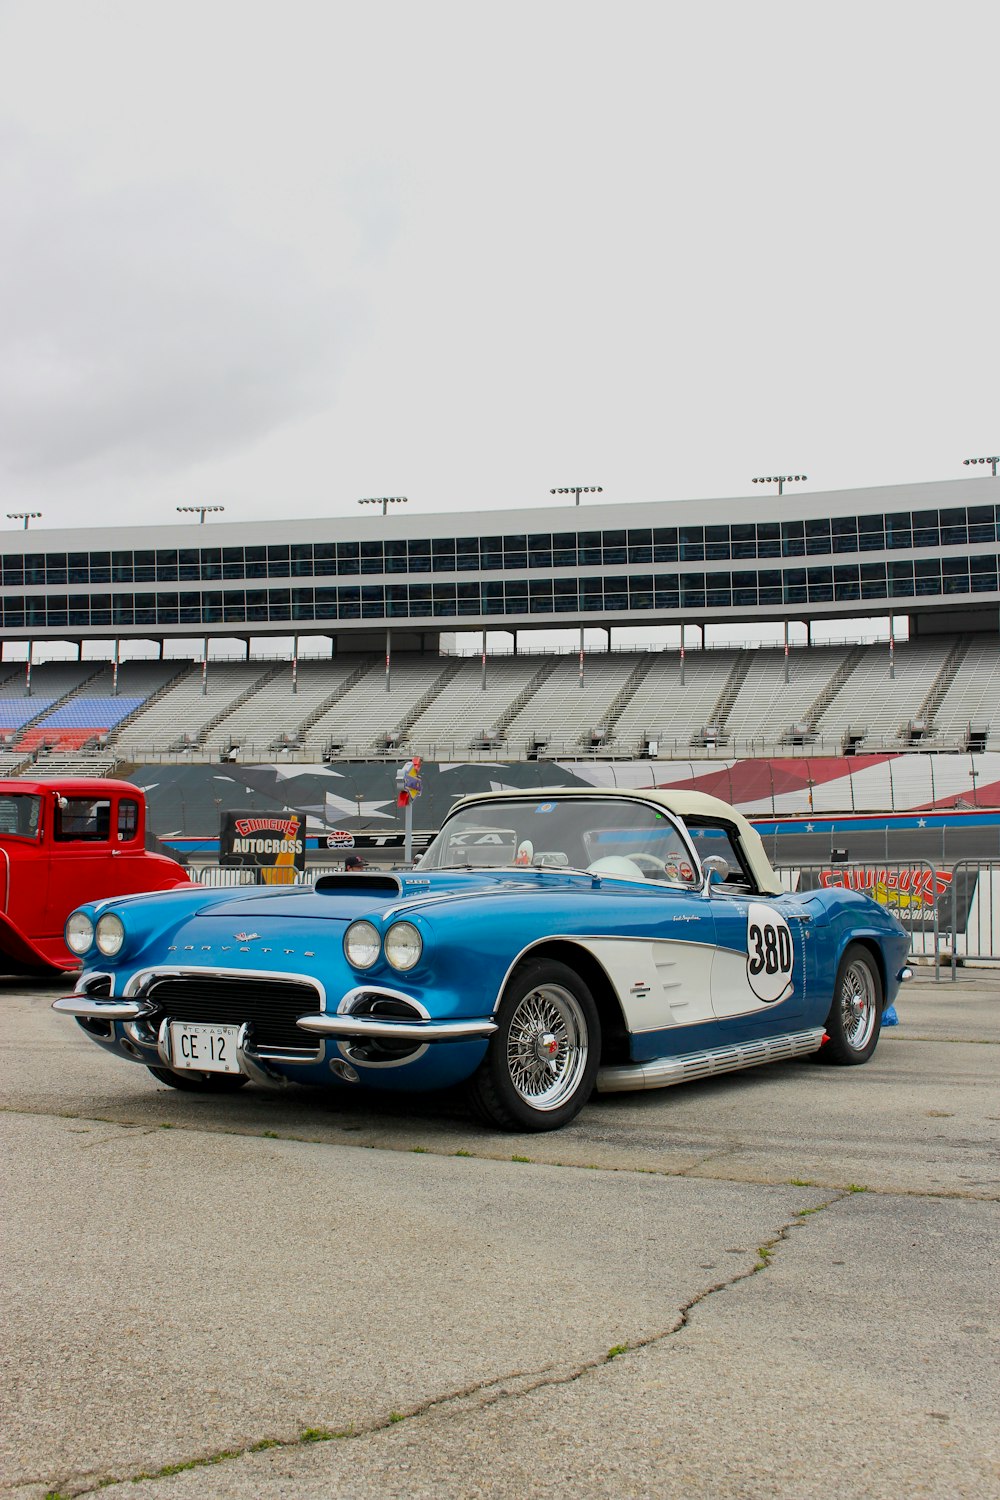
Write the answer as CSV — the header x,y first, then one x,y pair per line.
x,y
855,1018
201,1083
543,1058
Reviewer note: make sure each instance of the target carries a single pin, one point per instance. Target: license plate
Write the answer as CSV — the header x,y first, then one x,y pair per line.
x,y
205,1049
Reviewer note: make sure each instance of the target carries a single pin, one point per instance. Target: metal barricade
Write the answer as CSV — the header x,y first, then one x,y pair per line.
x,y
216,876
974,928
911,889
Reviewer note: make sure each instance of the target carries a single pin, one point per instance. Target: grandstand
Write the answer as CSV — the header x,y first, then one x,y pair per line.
x,y
930,694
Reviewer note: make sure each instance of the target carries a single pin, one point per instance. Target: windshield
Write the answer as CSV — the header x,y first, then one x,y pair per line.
x,y
610,836
20,814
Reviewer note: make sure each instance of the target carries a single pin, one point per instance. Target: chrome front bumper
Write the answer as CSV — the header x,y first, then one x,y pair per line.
x,y
88,1008
386,1028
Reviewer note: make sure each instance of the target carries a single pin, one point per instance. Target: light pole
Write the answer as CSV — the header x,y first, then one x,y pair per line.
x,y
578,490
201,511
32,515
993,460
385,501
781,480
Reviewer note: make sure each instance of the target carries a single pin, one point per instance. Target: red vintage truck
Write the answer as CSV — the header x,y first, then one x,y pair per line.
x,y
63,842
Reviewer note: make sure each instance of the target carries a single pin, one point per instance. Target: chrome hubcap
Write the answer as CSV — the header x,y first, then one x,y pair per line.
x,y
859,1006
547,1047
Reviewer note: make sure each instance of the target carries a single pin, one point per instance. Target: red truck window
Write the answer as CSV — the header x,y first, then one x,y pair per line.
x,y
128,820
20,814
85,819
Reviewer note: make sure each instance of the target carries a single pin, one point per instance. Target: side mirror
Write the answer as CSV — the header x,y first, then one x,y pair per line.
x,y
714,868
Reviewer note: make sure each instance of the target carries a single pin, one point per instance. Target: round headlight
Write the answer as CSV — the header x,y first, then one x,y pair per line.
x,y
110,934
403,945
79,932
362,944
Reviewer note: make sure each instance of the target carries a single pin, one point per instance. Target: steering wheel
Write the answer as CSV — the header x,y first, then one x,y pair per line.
x,y
651,867
616,864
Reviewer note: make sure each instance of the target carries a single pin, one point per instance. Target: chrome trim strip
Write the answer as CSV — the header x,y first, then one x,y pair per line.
x,y
204,971
661,1072
400,1031
92,977
353,996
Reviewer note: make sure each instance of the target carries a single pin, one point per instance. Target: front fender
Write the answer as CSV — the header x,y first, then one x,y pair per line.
x,y
20,954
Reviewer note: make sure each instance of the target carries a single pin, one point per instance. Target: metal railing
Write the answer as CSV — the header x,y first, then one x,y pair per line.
x,y
975,911
219,876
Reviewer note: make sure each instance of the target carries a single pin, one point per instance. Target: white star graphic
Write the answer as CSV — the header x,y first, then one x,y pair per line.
x,y
335,807
810,828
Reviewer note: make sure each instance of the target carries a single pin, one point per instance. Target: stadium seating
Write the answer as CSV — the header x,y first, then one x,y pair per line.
x,y
629,704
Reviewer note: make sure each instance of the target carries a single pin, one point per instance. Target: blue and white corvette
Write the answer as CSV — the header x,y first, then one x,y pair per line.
x,y
547,943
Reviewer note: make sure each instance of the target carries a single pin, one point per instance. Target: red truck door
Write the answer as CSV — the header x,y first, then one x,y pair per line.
x,y
83,864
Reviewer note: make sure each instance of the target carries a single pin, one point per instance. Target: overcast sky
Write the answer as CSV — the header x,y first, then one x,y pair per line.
x,y
280,256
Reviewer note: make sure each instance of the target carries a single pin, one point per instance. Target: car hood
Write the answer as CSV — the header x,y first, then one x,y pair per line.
x,y
346,897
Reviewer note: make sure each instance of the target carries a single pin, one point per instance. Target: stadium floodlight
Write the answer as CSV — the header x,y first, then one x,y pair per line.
x,y
385,501
994,460
781,480
578,490
201,511
23,515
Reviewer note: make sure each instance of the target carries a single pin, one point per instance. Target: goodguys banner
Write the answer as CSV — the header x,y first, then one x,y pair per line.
x,y
923,898
271,842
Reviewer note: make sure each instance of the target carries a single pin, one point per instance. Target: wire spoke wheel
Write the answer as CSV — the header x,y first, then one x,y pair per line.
x,y
855,1018
541,1064
858,1004
547,1047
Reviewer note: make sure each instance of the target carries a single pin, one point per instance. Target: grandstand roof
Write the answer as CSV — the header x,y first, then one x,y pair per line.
x,y
758,506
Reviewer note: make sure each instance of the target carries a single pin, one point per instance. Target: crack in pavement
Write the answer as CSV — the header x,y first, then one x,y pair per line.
x,y
477,1396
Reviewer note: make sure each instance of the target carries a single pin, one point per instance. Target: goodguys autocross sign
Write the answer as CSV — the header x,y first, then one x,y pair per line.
x,y
263,840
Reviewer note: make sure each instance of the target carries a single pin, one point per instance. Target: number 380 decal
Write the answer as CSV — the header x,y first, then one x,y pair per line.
x,y
770,955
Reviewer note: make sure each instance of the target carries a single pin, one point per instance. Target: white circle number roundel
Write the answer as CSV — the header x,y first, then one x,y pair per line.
x,y
770,953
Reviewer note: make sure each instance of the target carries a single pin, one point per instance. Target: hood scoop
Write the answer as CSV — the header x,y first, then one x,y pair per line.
x,y
352,880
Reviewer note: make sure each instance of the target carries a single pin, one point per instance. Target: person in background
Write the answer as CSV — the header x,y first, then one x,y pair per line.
x,y
355,862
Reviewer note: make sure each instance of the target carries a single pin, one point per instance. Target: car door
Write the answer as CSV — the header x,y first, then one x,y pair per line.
x,y
758,971
758,976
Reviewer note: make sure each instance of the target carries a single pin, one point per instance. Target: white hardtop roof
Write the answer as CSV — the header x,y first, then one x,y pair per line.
x,y
683,804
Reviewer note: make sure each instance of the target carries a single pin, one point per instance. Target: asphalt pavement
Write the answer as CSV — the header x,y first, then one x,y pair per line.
x,y
780,1283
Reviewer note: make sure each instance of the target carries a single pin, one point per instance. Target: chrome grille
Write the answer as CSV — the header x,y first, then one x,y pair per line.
x,y
272,1006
